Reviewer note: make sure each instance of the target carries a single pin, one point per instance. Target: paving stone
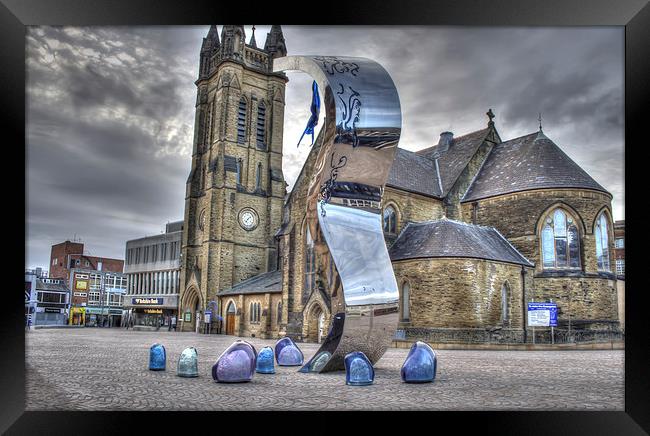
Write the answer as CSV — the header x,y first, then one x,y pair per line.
x,y
107,369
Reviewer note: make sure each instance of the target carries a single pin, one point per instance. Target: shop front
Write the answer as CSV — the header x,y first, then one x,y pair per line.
x,y
103,317
153,312
77,316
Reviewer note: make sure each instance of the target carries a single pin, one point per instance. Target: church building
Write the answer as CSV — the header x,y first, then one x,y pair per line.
x,y
476,227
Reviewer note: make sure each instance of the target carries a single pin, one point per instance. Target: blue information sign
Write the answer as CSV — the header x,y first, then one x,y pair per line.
x,y
542,314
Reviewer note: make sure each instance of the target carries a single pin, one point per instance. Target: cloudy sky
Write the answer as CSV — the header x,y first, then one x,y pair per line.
x,y
110,111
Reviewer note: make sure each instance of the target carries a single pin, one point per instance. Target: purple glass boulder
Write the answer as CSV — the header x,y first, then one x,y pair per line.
x,y
280,345
420,364
236,364
290,355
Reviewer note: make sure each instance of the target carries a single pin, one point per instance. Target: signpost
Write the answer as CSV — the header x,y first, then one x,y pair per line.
x,y
542,315
208,319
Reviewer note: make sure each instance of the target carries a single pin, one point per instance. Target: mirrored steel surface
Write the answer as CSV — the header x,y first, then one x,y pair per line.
x,y
361,132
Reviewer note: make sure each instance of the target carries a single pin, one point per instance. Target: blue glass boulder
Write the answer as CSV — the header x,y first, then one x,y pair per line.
x,y
188,363
290,356
280,345
265,361
420,364
236,364
358,369
157,357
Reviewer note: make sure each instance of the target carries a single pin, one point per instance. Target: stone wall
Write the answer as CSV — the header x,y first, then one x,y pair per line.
x,y
460,293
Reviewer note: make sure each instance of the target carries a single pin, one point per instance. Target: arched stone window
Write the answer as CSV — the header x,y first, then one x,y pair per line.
x,y
261,122
241,121
258,176
406,296
251,315
505,308
602,242
560,241
310,261
258,312
390,220
239,170
279,315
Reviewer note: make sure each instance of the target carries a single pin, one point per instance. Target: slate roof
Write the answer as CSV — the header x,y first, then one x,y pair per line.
x,y
260,284
453,161
42,286
529,162
414,173
448,238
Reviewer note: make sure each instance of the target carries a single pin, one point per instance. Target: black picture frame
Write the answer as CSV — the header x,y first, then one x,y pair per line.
x,y
633,14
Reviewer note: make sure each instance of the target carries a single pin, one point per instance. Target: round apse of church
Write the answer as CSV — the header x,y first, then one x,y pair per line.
x,y
248,218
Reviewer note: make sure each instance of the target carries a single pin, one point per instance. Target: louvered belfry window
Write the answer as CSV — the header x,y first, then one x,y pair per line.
x,y
261,122
241,121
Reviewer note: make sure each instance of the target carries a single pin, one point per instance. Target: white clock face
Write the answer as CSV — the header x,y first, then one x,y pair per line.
x,y
248,219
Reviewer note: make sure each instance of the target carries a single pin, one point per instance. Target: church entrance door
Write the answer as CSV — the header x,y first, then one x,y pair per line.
x,y
230,319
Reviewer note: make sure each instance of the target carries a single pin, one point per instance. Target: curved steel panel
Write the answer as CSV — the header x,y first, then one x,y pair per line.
x,y
361,132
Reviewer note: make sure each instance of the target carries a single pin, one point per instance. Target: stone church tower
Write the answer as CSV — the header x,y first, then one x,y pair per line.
x,y
235,189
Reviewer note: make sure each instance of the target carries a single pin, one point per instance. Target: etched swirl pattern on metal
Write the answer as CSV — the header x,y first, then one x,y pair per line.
x,y
358,142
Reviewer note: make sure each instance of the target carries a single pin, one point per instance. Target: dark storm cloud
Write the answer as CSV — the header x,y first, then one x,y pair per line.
x,y
111,110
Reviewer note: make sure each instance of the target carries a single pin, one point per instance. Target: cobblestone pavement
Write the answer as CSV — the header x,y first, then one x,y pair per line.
x,y
107,369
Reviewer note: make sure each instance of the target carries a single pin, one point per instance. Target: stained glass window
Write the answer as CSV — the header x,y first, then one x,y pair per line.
x,y
602,242
560,241
390,224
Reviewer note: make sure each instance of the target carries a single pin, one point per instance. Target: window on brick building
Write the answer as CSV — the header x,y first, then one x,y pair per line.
x,y
620,243
620,267
390,220
560,241
602,242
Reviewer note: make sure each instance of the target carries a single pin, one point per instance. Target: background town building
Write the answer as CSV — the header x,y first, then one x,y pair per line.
x,y
153,272
69,262
97,297
68,255
47,300
477,227
619,254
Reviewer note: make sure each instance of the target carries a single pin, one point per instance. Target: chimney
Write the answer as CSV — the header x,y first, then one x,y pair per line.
x,y
446,140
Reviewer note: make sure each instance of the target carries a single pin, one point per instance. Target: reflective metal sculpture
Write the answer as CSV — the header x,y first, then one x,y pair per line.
x,y
157,357
265,360
188,363
357,146
236,364
358,369
420,364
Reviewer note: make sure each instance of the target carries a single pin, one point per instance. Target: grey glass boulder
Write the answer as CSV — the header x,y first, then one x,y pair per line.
x,y
420,364
188,363
236,364
265,361
157,357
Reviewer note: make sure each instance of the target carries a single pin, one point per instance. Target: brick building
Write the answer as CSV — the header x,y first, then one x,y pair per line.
x,y
476,228
69,262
